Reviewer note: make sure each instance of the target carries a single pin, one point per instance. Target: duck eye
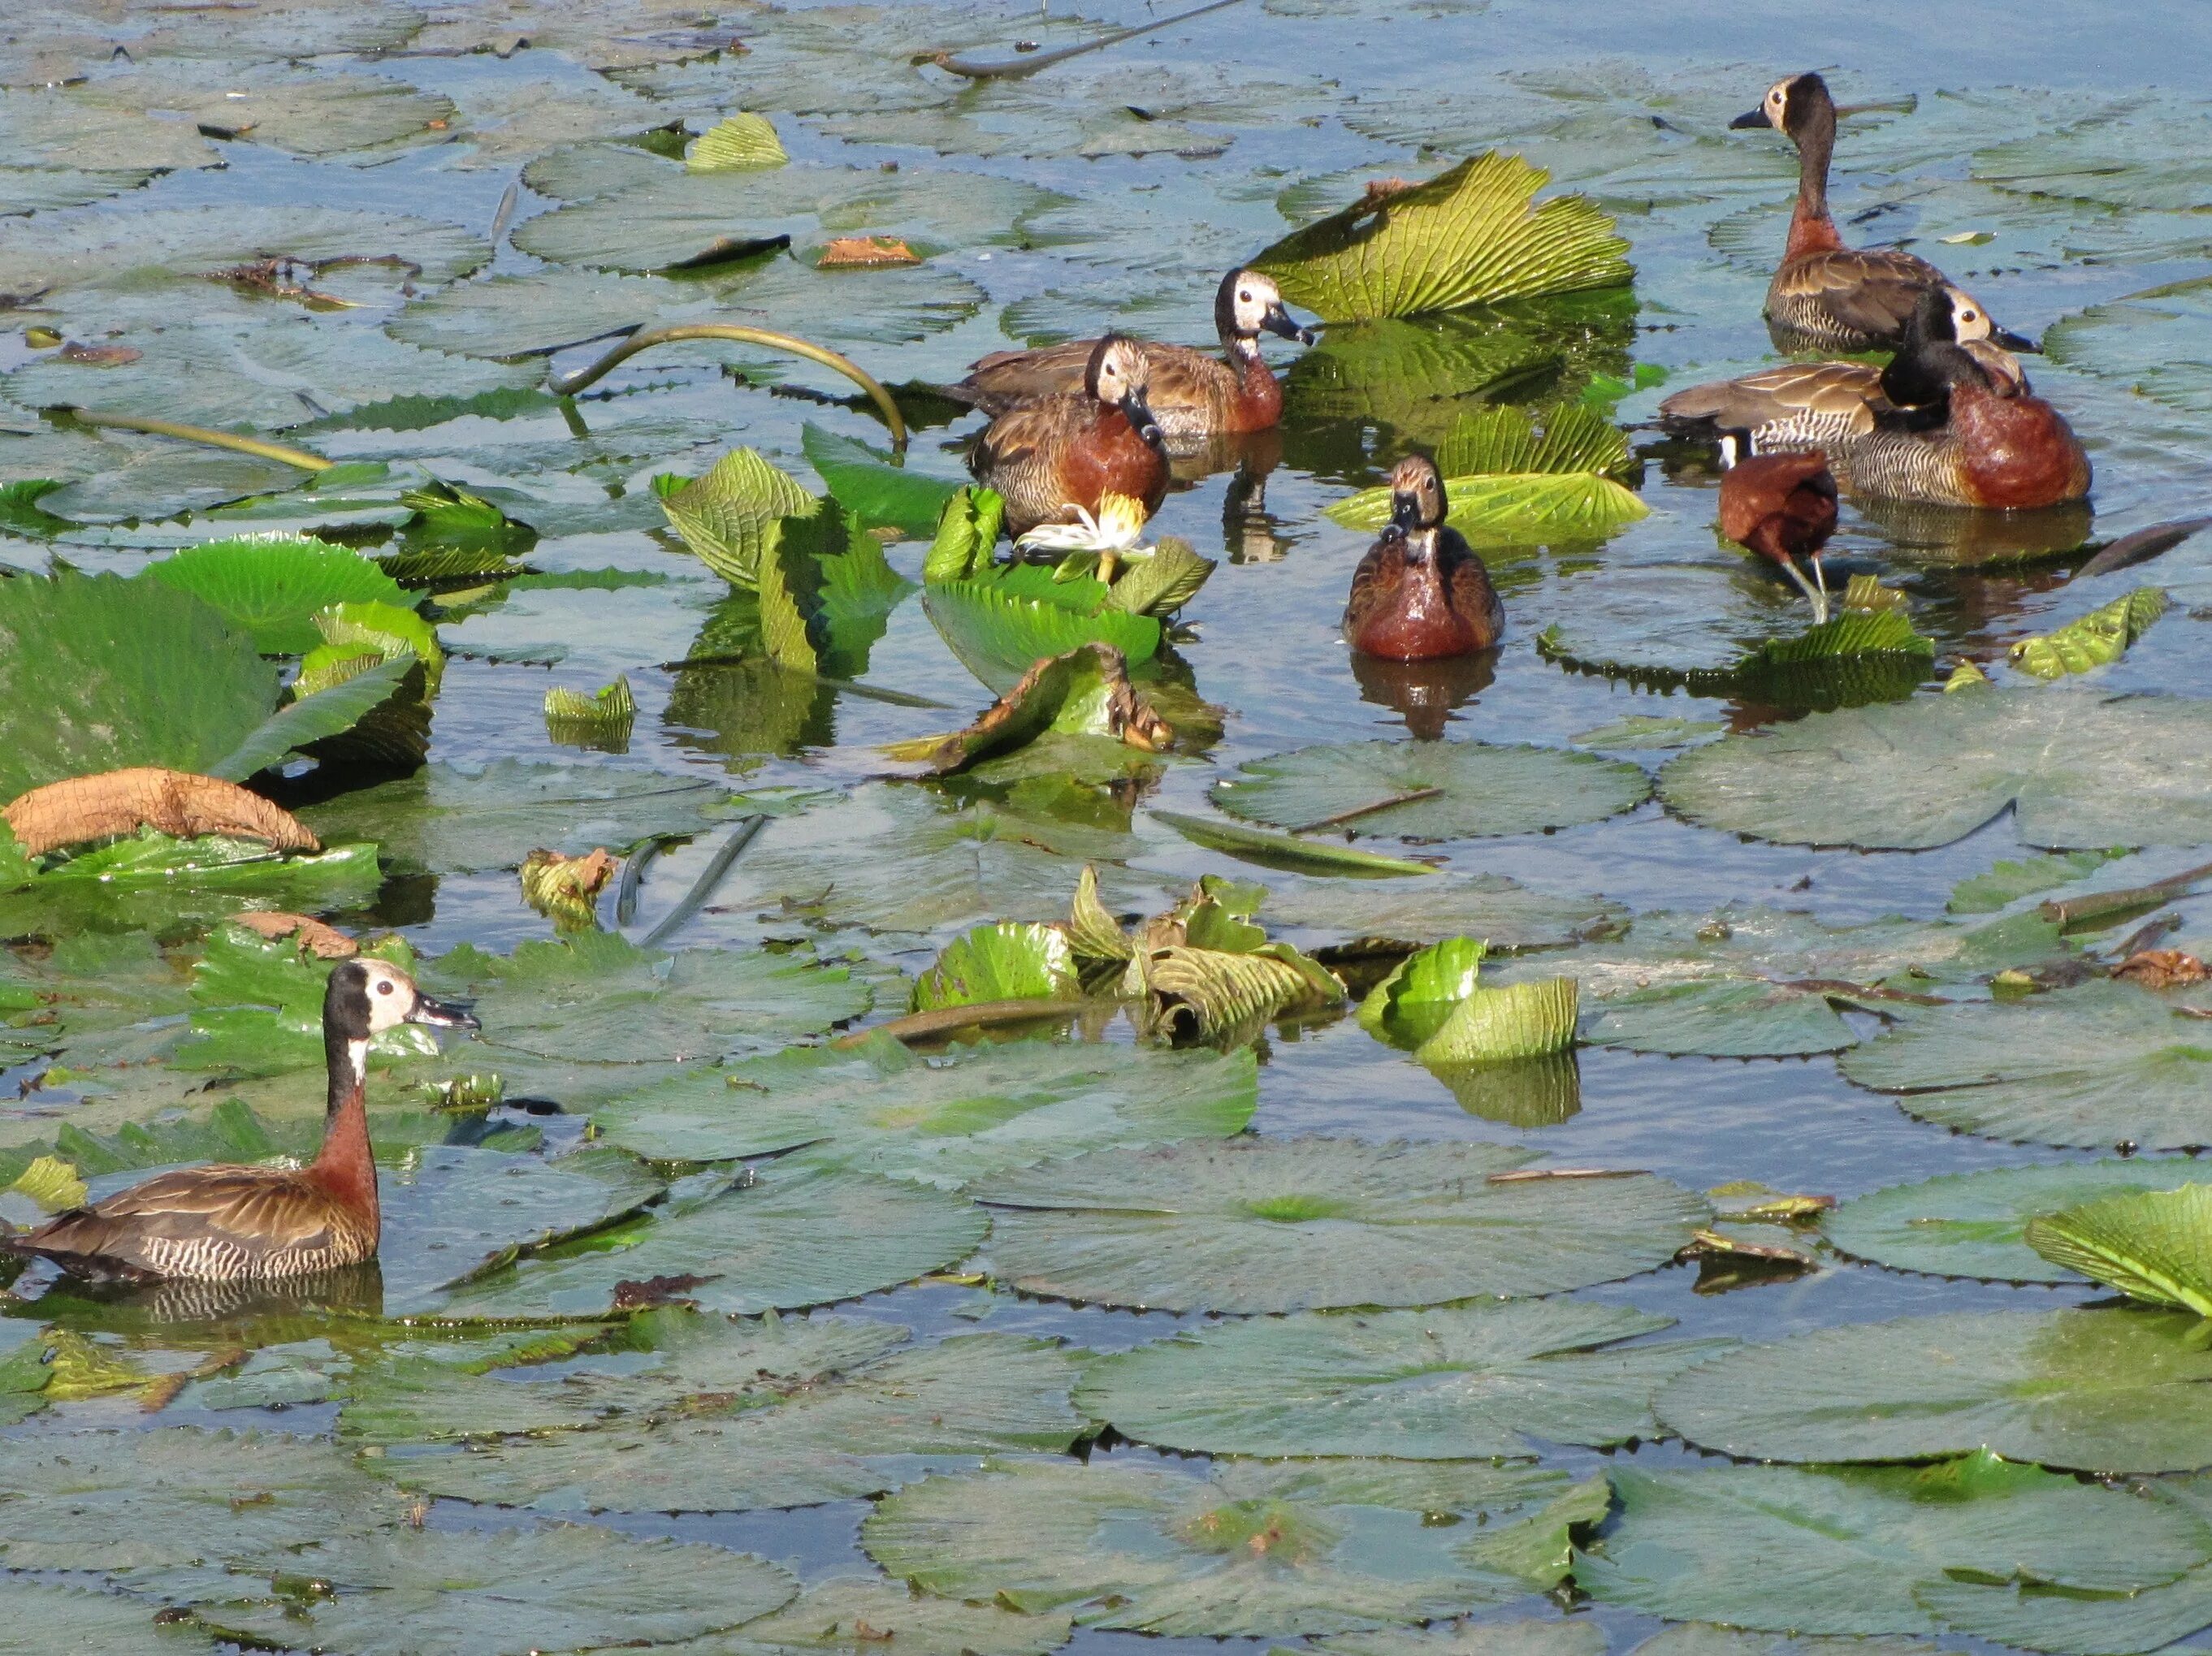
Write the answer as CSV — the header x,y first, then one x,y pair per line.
x,y
1970,317
1244,299
383,986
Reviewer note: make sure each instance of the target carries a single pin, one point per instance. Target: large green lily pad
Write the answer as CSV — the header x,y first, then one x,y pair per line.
x,y
39,1616
1505,914
1274,1224
1969,1224
1790,1550
2079,770
1248,1549
1444,1385
855,1615
1478,789
2104,1391
2102,1065
945,1121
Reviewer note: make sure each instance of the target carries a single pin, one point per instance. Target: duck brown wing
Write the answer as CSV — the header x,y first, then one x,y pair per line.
x,y
1033,428
1870,290
1844,392
1004,378
1472,596
176,1224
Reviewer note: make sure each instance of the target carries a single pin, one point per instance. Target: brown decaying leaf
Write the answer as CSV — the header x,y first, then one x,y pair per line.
x,y
649,1293
88,808
97,356
324,943
1379,193
863,253
567,889
2162,968
1129,717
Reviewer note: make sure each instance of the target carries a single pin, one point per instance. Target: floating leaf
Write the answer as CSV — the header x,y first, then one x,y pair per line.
x,y
2149,1244
1973,1224
2107,1391
851,1616
1430,790
1001,623
2078,769
739,143
1842,1553
271,585
1504,440
868,483
2096,639
1160,581
2101,1064
1287,850
2008,880
1523,1020
729,514
1248,1549
1365,919
1449,1385
1468,236
1510,509
1415,1000
1086,691
1006,961
966,531
602,718
566,889
1258,1225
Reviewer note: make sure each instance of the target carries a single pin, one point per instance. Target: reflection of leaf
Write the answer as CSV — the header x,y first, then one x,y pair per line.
x,y
1468,236
2150,1243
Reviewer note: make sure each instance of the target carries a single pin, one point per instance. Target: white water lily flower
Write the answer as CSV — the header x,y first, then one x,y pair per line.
x,y
1120,521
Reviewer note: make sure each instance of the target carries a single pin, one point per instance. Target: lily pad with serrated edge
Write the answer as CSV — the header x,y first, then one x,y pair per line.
x,y
2097,1065
1480,789
1254,1225
2106,1390
1325,1548
1787,1549
1969,1224
2079,769
1458,1384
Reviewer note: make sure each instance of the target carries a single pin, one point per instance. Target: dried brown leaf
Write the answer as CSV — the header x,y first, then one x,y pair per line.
x,y
2162,968
864,252
88,808
324,943
566,889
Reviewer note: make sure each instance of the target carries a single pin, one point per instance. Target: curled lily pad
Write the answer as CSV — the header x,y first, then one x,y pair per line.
x,y
1786,1550
1257,1225
1430,790
1510,508
2149,1244
1248,1549
1002,621
1006,961
1446,1385
1527,1020
1972,1224
2101,1064
2078,769
2103,1390
1412,1002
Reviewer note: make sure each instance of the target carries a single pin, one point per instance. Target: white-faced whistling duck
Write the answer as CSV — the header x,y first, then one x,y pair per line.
x,y
1051,455
1421,592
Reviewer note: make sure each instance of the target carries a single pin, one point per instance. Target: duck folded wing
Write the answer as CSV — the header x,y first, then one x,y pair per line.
x,y
1846,395
1027,430
1005,379
173,1221
1868,290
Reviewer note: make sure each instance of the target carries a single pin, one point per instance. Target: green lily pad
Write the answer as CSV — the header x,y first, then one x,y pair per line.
x,y
839,1436
1971,1224
2107,1391
76,1618
945,1121
1469,789
1256,1225
1580,1637
999,624
271,585
1453,1385
1514,509
1247,1549
302,113
508,1592
2151,342
2009,879
1703,1638
2078,769
161,884
2150,1245
2101,1064
866,481
791,1239
1507,916
599,996
1789,1550
461,818
2127,152
1410,1005
853,1615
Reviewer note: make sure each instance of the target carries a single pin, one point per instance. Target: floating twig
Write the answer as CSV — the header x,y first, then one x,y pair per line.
x,y
2100,904
68,414
1369,809
1016,68
568,384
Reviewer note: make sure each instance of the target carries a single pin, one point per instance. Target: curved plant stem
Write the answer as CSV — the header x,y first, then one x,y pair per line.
x,y
63,413
1016,69
567,384
703,888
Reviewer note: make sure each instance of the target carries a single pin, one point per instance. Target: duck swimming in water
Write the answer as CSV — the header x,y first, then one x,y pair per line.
x,y
1825,296
256,1223
1191,396
1421,593
1781,507
1053,456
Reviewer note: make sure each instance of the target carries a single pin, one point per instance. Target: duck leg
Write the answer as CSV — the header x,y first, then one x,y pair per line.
x,y
1817,596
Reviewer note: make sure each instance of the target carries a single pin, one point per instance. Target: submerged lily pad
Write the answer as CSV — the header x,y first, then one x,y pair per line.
x,y
2078,769
1448,1385
1274,1224
2105,1391
1466,789
791,1239
2101,1064
1971,1224
855,1615
1842,1553
1248,1549
944,1121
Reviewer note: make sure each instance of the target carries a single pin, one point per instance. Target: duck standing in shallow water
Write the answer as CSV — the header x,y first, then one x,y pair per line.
x,y
241,1224
1191,396
1783,506
1421,593
1055,455
1825,296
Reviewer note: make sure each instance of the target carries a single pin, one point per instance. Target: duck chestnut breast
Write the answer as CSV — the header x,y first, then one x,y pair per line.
x,y
1421,593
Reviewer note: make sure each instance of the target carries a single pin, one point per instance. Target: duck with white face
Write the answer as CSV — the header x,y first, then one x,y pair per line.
x,y
225,1223
1055,458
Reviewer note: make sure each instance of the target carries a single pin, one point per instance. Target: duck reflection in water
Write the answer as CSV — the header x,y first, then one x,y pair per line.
x,y
1424,693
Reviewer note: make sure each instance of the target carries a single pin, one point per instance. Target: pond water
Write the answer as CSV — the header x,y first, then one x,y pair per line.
x,y
1057,215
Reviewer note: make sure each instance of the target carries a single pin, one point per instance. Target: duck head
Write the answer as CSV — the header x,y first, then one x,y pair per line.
x,y
1929,361
1793,106
1417,505
1249,304
367,996
1119,375
1971,323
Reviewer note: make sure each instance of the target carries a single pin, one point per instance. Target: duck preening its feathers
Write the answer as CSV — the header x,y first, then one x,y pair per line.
x,y
1781,507
256,1223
